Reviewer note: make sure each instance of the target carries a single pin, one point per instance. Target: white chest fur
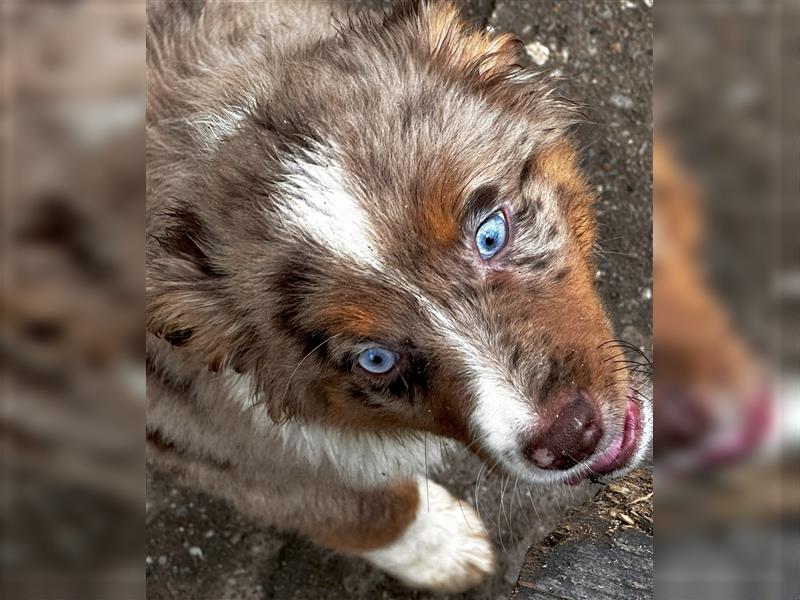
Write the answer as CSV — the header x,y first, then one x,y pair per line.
x,y
362,459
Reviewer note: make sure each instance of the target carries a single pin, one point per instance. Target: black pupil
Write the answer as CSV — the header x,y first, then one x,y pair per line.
x,y
377,359
489,240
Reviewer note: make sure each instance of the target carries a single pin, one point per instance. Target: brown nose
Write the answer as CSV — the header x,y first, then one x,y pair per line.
x,y
569,436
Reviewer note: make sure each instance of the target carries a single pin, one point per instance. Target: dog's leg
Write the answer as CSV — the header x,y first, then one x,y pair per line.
x,y
414,530
418,532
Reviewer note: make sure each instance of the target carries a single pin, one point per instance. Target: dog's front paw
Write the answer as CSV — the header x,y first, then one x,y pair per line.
x,y
446,548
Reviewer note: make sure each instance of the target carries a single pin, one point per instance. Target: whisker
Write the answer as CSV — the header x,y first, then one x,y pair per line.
x,y
519,502
533,505
627,345
589,468
499,529
634,370
626,254
297,367
477,490
427,490
629,361
504,481
499,515
473,442
463,514
570,490
486,474
623,353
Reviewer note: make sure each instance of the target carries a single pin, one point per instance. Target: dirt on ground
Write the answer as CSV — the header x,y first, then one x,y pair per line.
x,y
200,549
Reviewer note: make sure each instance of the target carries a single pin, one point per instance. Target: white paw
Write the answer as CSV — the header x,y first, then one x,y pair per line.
x,y
446,547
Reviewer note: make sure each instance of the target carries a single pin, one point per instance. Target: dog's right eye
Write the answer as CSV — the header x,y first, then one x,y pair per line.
x,y
491,235
377,360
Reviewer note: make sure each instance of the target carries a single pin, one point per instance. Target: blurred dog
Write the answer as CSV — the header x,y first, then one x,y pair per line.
x,y
713,405
71,353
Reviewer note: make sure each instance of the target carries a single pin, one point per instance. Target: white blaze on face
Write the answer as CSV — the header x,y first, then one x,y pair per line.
x,y
320,205
501,414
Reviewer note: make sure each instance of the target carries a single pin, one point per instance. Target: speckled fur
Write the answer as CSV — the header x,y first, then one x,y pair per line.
x,y
314,182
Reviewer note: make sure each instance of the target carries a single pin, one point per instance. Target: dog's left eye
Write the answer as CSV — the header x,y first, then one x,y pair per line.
x,y
377,360
491,235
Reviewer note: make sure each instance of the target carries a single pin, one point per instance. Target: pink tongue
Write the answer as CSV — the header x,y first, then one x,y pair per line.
x,y
607,458
619,451
610,459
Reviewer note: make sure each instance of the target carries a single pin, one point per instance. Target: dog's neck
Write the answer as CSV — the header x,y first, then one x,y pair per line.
x,y
360,458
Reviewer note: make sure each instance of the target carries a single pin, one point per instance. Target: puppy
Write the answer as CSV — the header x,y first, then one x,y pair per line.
x,y
367,235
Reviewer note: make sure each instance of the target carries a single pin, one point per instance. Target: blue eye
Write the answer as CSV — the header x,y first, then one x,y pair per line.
x,y
491,236
377,360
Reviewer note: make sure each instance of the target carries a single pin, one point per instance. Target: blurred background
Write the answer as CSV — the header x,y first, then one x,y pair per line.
x,y
725,297
71,339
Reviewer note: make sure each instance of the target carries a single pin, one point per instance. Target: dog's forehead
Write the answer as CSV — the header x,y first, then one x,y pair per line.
x,y
415,214
461,139
419,181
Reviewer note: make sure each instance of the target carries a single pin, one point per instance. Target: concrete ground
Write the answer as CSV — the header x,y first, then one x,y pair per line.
x,y
199,549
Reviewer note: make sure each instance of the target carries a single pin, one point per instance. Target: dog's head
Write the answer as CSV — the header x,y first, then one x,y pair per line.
x,y
393,234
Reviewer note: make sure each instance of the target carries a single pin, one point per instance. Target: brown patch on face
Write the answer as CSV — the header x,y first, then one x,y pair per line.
x,y
441,225
577,331
440,410
382,517
569,308
350,407
439,210
557,331
559,168
464,47
353,319
557,164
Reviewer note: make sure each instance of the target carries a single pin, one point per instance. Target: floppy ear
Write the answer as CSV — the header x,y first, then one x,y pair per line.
x,y
185,303
190,303
459,44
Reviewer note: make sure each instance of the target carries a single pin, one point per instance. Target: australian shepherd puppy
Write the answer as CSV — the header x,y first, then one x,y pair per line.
x,y
365,234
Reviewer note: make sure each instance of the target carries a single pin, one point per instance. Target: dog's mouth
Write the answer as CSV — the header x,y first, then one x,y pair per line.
x,y
726,439
620,453
544,459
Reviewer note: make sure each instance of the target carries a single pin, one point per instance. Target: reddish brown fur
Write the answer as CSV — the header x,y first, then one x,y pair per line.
x,y
558,165
462,47
383,516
